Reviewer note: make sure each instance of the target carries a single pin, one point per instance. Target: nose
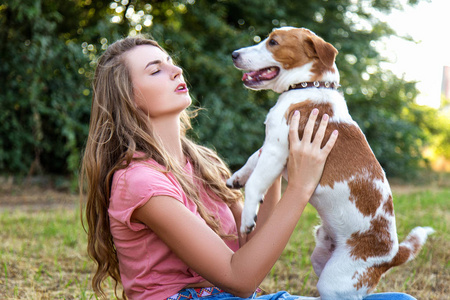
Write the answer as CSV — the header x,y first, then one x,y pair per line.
x,y
235,55
177,71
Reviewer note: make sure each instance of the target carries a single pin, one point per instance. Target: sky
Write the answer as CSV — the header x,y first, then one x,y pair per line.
x,y
428,23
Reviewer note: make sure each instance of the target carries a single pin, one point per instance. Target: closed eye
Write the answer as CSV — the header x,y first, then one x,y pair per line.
x,y
160,64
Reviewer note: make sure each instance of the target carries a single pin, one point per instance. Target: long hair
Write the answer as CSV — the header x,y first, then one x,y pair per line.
x,y
118,130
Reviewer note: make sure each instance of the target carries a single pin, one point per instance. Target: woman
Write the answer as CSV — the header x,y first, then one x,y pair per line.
x,y
161,220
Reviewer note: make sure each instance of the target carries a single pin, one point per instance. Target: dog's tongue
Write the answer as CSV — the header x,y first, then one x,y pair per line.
x,y
263,74
250,75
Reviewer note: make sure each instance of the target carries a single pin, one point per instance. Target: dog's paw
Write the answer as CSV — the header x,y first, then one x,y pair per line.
x,y
238,180
234,183
249,217
248,224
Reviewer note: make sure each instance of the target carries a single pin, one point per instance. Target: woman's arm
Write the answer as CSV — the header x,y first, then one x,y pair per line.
x,y
199,247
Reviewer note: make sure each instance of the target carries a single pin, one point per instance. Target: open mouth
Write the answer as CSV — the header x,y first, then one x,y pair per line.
x,y
256,77
181,88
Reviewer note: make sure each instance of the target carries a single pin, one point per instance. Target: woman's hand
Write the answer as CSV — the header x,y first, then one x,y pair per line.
x,y
306,157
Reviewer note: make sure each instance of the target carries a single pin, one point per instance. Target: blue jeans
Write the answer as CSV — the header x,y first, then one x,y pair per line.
x,y
285,296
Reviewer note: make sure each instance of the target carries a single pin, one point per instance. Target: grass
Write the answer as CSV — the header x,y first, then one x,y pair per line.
x,y
43,252
43,255
426,277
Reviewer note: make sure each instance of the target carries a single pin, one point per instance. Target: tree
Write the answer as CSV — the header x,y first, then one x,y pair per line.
x,y
232,122
44,106
49,49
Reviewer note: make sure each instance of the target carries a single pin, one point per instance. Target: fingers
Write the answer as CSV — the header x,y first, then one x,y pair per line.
x,y
330,143
317,140
309,128
293,128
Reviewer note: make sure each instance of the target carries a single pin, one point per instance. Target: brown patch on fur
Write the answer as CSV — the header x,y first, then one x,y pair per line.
x,y
409,252
305,108
299,46
372,275
351,154
403,254
388,206
365,195
289,50
374,242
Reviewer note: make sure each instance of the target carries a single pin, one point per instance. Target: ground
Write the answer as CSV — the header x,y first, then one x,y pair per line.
x,y
43,245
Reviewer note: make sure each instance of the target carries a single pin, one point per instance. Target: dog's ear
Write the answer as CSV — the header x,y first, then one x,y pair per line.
x,y
323,50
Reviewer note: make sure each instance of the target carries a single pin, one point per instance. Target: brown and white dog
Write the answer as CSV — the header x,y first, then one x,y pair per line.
x,y
357,240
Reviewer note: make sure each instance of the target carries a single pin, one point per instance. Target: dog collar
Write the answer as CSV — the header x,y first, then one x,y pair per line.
x,y
317,84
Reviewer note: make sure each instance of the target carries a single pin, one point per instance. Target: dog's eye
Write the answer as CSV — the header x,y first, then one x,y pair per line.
x,y
272,42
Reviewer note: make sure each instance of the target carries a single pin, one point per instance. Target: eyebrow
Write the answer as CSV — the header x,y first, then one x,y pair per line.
x,y
156,62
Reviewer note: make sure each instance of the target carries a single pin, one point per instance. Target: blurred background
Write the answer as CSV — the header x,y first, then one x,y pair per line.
x,y
393,60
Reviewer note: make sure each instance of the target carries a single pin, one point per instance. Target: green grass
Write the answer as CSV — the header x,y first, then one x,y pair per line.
x,y
426,277
43,253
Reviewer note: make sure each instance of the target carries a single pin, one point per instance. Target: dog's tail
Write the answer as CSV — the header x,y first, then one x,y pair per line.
x,y
407,250
410,247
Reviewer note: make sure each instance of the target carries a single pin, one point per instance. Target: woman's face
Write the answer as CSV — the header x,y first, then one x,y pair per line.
x,y
159,87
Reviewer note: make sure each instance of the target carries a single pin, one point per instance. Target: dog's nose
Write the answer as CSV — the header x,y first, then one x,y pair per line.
x,y
235,55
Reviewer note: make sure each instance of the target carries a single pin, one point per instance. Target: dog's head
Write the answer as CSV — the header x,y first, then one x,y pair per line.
x,y
288,56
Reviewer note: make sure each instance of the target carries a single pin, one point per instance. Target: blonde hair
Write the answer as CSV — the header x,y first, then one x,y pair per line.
x,y
118,129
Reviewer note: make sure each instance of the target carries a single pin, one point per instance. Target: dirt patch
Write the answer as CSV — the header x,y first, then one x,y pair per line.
x,y
38,196
33,197
411,189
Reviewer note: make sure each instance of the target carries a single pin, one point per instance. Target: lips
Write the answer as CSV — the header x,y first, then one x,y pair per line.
x,y
181,88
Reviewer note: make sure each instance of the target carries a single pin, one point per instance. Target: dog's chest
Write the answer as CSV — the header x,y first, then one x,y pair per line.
x,y
326,100
277,114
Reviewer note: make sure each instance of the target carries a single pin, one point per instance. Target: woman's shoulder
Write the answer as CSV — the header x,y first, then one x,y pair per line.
x,y
141,169
142,179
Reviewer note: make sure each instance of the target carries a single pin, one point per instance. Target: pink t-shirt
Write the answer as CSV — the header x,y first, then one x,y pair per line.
x,y
148,268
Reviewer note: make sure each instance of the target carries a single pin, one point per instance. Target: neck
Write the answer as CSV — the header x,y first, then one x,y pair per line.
x,y
315,84
168,131
302,74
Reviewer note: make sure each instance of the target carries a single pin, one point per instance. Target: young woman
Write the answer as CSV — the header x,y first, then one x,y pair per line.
x,y
161,220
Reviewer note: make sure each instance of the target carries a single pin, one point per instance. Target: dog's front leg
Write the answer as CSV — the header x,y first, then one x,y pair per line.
x,y
240,177
269,166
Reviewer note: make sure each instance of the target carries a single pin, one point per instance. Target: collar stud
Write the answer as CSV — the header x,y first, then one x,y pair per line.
x,y
316,84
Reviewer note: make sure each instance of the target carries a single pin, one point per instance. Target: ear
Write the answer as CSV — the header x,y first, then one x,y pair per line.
x,y
323,50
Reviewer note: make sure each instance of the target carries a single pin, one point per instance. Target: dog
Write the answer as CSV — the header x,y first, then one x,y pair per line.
x,y
357,240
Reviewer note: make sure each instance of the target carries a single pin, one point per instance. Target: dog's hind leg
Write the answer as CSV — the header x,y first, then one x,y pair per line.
x,y
325,246
339,278
240,177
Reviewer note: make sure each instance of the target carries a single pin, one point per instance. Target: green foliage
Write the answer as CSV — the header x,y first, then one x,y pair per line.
x,y
45,105
42,108
232,121
48,51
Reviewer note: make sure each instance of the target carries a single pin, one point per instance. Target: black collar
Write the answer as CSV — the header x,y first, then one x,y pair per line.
x,y
317,84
